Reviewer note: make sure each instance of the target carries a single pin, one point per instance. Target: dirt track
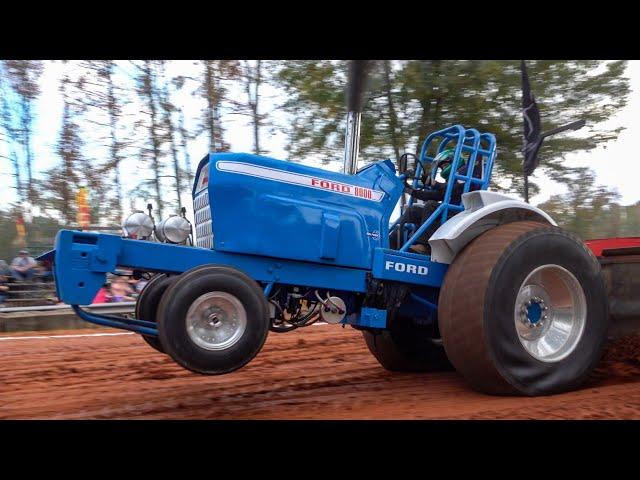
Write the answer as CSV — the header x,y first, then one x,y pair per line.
x,y
322,372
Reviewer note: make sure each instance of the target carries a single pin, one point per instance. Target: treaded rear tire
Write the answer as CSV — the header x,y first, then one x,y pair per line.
x,y
406,347
394,358
477,302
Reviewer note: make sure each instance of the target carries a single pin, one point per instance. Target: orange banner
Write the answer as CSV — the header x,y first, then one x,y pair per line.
x,y
21,231
83,216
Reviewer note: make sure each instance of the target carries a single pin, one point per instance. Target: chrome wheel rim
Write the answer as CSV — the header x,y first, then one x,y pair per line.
x,y
550,313
216,321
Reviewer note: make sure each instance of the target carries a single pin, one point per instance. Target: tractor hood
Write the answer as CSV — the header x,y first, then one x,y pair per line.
x,y
260,205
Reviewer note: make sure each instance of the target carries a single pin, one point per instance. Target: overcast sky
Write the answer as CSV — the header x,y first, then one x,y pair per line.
x,y
615,164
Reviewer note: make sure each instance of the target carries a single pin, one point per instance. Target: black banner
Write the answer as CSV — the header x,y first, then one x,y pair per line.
x,y
532,136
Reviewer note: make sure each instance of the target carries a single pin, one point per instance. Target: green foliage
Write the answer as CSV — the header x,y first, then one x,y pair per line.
x,y
405,101
41,232
23,76
61,183
214,93
590,210
430,94
315,92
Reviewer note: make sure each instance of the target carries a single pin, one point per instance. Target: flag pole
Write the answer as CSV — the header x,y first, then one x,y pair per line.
x,y
531,130
533,138
577,125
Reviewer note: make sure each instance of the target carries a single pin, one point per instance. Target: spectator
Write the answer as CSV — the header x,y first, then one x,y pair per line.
x,y
5,271
120,292
3,289
103,295
43,273
23,266
137,285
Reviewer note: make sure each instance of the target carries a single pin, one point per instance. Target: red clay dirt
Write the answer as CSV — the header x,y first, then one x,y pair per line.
x,y
322,372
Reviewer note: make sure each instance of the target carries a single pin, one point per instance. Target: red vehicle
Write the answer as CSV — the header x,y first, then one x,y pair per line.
x,y
620,262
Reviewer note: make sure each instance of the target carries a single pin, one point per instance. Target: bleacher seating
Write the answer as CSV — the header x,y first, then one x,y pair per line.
x,y
30,294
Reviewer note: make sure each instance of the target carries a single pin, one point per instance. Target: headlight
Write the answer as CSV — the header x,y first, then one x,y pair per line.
x,y
138,225
159,234
174,229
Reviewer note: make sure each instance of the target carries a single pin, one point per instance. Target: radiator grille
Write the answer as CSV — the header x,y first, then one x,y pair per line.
x,y
202,214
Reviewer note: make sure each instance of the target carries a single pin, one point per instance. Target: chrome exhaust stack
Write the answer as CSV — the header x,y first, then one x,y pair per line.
x,y
352,143
355,98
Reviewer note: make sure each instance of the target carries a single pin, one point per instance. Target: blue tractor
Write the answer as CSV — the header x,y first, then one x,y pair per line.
x,y
497,291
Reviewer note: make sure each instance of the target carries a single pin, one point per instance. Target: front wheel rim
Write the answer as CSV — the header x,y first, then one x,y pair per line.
x,y
550,313
216,321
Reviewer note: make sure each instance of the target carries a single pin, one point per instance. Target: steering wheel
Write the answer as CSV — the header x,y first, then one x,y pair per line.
x,y
427,178
410,174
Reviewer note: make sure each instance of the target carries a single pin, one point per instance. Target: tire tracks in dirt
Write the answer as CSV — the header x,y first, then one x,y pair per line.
x,y
316,373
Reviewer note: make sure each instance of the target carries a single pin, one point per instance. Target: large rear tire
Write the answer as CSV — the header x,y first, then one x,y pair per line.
x,y
406,347
213,319
523,311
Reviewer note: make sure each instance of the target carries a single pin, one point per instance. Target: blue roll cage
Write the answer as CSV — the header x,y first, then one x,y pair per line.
x,y
481,147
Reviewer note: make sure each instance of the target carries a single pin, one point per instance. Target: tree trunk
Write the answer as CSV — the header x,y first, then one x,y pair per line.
x,y
26,132
393,117
176,164
23,78
16,169
437,94
149,89
9,137
185,149
212,105
67,165
167,109
176,161
256,118
425,114
115,147
217,121
424,122
253,80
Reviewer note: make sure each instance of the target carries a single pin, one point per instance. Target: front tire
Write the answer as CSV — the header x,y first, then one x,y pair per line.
x,y
213,320
523,311
147,305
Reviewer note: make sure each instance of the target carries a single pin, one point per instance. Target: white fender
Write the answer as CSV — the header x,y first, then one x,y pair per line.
x,y
483,210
